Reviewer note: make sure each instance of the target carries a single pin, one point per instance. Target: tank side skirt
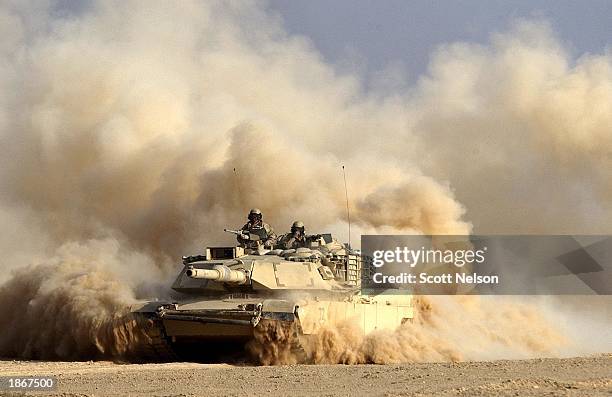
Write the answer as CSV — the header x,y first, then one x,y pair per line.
x,y
201,319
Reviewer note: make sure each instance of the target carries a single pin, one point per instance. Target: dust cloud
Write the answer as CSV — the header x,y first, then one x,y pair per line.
x,y
445,328
72,308
133,132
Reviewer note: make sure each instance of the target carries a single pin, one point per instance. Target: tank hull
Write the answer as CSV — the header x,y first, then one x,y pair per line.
x,y
213,326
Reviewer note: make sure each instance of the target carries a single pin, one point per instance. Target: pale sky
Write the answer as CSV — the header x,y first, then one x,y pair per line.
x,y
371,35
376,33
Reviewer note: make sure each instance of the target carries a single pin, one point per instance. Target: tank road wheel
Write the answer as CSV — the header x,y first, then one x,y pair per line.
x,y
154,345
277,342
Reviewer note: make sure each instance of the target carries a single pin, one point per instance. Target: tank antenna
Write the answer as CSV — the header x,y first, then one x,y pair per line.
x,y
238,186
348,212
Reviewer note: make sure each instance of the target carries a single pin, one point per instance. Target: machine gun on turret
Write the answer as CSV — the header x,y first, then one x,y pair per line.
x,y
245,235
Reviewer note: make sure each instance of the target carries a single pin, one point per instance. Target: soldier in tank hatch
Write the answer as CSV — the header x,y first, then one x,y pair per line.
x,y
256,227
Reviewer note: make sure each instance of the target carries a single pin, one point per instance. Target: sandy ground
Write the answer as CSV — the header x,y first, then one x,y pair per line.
x,y
583,376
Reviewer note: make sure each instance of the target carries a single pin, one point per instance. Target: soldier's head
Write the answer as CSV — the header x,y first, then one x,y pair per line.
x,y
255,216
297,229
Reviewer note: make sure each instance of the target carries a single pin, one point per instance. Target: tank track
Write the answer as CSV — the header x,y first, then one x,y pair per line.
x,y
155,346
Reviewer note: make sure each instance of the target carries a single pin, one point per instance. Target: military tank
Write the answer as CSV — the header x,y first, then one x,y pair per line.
x,y
232,297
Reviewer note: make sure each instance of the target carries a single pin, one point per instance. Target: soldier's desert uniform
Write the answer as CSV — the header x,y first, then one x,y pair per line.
x,y
256,226
295,240
289,241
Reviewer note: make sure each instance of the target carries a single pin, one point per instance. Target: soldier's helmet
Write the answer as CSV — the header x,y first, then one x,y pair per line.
x,y
255,214
297,225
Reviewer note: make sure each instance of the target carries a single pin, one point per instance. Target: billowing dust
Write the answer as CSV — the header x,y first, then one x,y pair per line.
x,y
68,309
134,132
443,329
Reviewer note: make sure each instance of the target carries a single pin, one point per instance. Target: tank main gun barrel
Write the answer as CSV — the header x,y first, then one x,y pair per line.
x,y
218,273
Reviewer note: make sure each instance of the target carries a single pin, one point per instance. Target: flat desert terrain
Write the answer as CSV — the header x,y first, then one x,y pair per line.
x,y
582,376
